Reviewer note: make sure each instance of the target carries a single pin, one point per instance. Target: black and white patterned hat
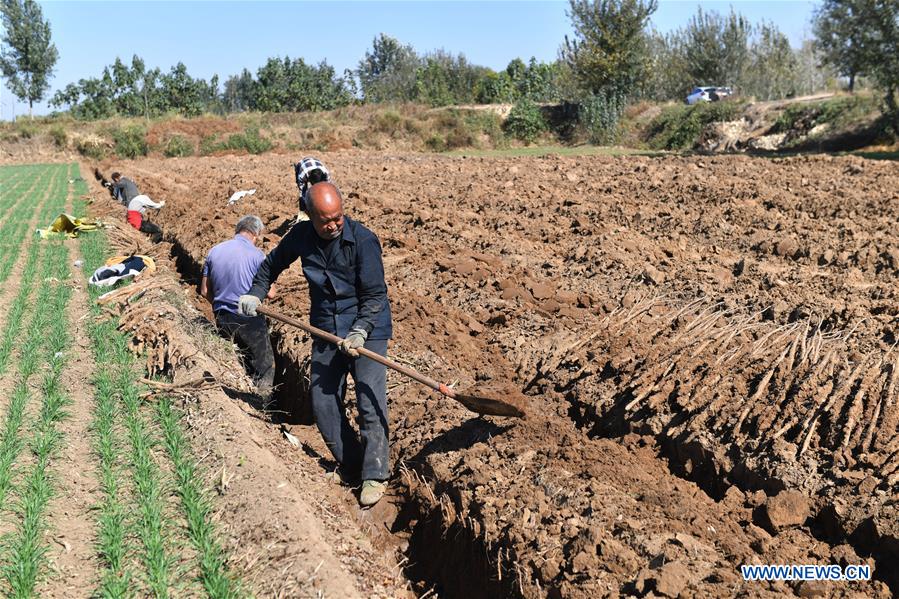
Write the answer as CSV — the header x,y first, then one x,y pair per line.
x,y
310,171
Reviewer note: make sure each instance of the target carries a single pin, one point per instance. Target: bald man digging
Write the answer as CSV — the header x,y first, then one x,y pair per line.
x,y
342,263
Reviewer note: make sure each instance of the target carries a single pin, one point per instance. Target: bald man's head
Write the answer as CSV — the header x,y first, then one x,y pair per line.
x,y
325,206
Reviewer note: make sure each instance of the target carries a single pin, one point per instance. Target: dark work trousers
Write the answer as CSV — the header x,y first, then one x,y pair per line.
x,y
251,335
152,230
330,367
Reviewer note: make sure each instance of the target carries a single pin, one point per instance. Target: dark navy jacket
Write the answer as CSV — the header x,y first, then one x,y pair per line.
x,y
346,292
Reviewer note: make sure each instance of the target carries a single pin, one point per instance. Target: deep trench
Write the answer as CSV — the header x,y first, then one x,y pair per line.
x,y
690,460
436,553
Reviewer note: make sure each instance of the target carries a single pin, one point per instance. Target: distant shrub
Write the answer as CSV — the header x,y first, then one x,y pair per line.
x,y
59,136
130,142
525,121
600,115
461,138
25,130
449,129
209,144
388,122
436,143
92,146
679,127
250,140
487,122
413,126
178,146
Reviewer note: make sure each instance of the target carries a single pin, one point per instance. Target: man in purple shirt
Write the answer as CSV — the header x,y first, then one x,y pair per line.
x,y
227,274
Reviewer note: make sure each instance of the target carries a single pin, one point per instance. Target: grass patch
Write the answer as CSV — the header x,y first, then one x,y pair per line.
x,y
250,141
157,553
882,155
178,146
117,398
44,347
91,146
25,130
59,136
10,440
114,529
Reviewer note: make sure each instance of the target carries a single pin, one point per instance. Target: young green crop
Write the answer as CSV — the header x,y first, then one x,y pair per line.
x,y
118,397
197,509
28,545
114,527
44,347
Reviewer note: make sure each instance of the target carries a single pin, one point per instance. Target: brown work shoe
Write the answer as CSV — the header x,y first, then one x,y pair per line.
x,y
372,491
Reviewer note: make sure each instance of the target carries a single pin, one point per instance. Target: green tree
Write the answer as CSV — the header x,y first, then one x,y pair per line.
x,y
844,37
28,55
862,37
668,78
446,79
609,51
240,91
536,80
884,65
388,72
525,121
772,72
496,88
182,93
716,48
285,85
138,91
812,72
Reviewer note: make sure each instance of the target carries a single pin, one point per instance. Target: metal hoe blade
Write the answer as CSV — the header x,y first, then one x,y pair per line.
x,y
510,405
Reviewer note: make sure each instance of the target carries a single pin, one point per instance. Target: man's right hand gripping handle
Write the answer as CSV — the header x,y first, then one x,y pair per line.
x,y
247,304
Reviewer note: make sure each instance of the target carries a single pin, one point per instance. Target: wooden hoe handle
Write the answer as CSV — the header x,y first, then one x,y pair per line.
x,y
326,336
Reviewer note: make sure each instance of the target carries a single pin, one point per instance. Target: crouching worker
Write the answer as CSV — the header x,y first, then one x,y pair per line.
x,y
126,192
228,274
342,263
308,172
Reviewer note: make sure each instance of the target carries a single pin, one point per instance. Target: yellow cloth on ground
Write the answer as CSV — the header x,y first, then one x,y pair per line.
x,y
69,226
149,264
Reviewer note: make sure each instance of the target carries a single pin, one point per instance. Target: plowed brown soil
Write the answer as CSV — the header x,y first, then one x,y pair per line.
x,y
708,345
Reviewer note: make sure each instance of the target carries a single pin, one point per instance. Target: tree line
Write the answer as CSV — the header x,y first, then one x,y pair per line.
x,y
613,57
389,72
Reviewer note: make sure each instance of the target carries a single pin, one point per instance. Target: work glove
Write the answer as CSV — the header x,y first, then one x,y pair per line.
x,y
161,204
247,304
352,342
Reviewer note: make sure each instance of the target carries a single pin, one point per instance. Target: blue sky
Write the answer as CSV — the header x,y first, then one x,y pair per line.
x,y
224,37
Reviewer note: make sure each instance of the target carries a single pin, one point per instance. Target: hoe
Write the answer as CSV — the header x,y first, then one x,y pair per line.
x,y
511,404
